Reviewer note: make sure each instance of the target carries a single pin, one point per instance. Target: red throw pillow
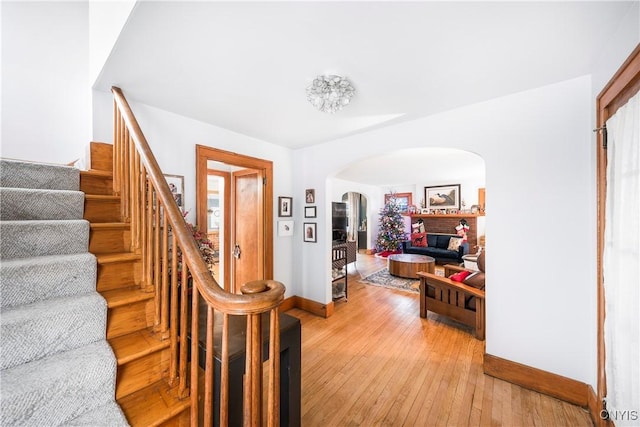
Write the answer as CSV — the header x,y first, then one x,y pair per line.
x,y
419,240
460,276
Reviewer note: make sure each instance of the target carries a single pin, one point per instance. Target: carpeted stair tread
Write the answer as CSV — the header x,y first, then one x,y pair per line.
x,y
20,174
27,280
21,239
28,204
38,330
59,388
108,414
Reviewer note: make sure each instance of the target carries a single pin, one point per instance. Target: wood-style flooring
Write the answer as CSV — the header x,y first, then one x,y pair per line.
x,y
375,362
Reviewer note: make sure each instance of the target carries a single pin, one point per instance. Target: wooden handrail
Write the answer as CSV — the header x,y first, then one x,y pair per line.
x,y
161,236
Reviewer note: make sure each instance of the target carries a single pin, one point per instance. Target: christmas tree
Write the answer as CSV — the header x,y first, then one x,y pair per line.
x,y
391,227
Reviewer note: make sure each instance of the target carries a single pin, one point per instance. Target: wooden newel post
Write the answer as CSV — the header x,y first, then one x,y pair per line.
x,y
253,365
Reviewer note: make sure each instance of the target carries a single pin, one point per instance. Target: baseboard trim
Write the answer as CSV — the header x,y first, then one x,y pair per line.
x,y
554,385
313,307
288,304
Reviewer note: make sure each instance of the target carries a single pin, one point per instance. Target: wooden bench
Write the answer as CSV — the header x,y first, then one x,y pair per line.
x,y
455,300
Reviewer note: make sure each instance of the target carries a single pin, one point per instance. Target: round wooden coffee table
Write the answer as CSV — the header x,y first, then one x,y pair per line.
x,y
407,265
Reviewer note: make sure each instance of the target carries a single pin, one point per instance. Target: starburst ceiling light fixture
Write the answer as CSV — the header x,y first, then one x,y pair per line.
x,y
330,93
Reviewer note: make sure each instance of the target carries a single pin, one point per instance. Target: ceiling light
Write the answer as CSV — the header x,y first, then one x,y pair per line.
x,y
330,93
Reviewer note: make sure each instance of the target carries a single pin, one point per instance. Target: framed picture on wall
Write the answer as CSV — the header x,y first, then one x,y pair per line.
x,y
310,195
309,230
442,197
402,199
309,211
285,228
176,185
285,206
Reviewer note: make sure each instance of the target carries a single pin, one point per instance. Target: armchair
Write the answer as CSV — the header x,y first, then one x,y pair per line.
x,y
464,302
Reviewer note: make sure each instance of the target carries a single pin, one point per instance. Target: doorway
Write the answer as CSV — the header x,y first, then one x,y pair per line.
x,y
234,198
357,218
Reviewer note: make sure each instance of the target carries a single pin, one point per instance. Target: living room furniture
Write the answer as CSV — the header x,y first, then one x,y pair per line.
x,y
290,364
339,261
437,247
459,301
408,265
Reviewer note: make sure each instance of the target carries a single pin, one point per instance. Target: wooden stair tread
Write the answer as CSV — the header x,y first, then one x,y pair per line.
x,y
110,225
97,172
124,296
121,257
153,405
103,197
136,344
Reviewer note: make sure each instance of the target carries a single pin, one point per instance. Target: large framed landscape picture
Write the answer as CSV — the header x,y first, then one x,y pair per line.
x,y
442,197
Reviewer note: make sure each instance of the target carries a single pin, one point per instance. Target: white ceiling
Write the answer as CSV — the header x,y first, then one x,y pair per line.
x,y
244,66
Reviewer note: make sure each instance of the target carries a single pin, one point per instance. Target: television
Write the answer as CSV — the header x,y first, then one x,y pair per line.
x,y
339,221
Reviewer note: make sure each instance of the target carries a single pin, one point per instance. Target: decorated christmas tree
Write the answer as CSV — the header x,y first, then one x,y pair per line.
x,y
390,227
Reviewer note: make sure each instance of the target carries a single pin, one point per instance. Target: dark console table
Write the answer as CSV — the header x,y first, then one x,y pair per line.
x,y
290,355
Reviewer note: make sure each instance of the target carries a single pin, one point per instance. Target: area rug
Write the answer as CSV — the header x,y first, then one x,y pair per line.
x,y
384,279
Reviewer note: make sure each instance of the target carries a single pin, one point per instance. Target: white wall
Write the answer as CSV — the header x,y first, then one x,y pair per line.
x,y
106,20
173,138
539,189
46,104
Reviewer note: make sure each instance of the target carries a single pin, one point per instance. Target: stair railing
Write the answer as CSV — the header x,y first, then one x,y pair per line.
x,y
171,257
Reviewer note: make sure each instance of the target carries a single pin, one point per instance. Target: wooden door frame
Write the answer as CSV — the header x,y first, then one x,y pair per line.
x,y
203,154
226,219
622,86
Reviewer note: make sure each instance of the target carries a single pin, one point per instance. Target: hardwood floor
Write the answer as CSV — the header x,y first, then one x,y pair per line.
x,y
375,362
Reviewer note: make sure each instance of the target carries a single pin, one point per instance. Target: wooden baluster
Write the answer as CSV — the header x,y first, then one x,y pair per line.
x,y
209,370
146,260
124,197
135,204
117,124
224,372
184,328
173,322
164,265
195,354
156,264
253,366
273,397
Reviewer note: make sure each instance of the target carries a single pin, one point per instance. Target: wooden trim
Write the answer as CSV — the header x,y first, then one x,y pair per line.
x,y
204,153
624,84
288,304
555,385
313,307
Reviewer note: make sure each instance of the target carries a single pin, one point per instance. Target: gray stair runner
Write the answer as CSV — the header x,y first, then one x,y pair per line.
x,y
56,365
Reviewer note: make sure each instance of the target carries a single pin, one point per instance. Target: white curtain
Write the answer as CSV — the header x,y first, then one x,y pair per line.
x,y
621,265
353,199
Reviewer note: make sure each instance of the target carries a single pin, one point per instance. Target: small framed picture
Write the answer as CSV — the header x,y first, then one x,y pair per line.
x,y
285,228
310,195
309,229
176,185
309,211
285,206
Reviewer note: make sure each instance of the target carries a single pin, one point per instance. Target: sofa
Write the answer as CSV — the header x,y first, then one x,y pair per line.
x,y
437,246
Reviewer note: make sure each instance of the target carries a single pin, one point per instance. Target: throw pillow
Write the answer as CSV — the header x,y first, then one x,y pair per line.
x,y
476,280
480,261
419,240
454,243
460,276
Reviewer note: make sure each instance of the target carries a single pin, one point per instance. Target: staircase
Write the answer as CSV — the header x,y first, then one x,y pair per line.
x,y
56,366
141,356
